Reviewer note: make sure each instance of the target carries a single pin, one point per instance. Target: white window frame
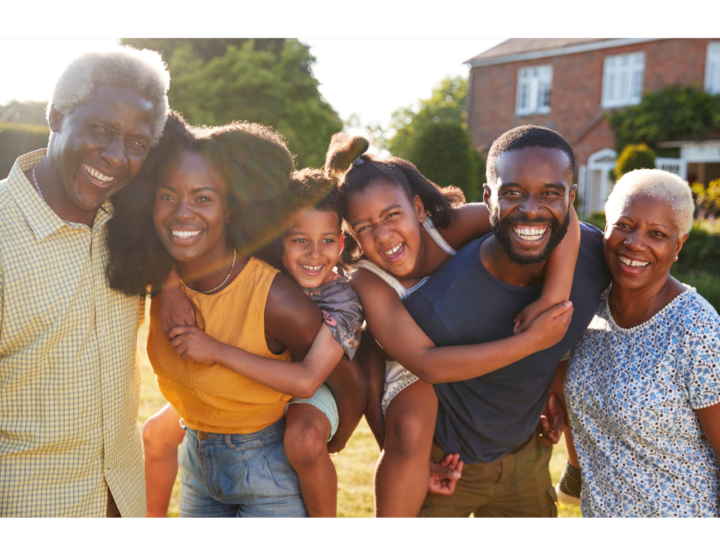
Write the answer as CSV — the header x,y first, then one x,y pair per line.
x,y
623,77
534,85
712,68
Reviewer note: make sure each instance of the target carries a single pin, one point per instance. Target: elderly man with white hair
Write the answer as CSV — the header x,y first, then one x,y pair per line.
x,y
69,367
643,383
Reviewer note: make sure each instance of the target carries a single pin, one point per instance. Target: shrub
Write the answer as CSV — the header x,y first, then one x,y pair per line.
x,y
18,139
671,113
443,154
634,157
707,198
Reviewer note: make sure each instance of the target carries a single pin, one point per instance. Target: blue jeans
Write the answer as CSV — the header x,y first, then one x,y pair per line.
x,y
238,475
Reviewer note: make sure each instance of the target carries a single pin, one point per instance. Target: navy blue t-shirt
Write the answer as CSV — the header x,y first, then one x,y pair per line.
x,y
487,417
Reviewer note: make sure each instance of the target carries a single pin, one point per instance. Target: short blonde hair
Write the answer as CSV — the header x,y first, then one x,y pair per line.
x,y
142,71
656,184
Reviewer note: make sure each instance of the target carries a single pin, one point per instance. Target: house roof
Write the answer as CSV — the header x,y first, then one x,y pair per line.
x,y
527,49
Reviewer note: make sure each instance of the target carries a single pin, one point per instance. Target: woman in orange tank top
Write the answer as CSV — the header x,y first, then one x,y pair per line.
x,y
198,190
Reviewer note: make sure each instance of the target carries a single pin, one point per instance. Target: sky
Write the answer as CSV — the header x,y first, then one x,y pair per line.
x,y
367,77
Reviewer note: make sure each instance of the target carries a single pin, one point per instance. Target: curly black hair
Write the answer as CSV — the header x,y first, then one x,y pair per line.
x,y
348,161
254,163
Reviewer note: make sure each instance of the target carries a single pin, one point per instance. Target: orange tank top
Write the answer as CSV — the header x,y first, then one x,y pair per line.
x,y
213,398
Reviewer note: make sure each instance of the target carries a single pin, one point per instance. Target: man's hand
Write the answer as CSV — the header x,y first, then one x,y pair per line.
x,y
445,475
552,420
192,343
175,307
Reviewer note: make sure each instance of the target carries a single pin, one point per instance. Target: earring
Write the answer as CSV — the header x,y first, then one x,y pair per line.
x,y
676,258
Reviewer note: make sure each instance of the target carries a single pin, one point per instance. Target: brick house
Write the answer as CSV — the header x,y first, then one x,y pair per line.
x,y
568,85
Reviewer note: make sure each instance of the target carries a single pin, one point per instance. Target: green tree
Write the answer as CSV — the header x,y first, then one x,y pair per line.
x,y
671,113
445,104
207,49
442,153
439,118
269,82
634,157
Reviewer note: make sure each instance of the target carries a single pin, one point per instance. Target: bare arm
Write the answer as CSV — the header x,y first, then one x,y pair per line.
x,y
293,320
175,307
402,338
710,422
559,275
467,222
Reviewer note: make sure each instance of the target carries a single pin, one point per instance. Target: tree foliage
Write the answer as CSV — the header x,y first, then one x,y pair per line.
x,y
442,153
669,114
634,157
445,104
214,81
433,136
206,49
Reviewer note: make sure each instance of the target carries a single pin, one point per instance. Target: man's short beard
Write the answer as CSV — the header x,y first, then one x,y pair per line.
x,y
502,234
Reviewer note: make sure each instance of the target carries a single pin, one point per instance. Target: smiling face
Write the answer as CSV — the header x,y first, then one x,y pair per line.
x,y
190,212
101,145
642,243
387,226
311,248
529,203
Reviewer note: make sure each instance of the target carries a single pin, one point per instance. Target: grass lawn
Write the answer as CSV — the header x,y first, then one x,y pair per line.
x,y
355,465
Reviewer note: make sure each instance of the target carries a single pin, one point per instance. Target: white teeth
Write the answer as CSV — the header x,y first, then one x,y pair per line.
x,y
395,250
630,262
184,234
97,175
313,268
529,233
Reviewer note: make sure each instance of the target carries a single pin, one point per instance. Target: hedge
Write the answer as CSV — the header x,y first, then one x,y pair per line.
x,y
18,139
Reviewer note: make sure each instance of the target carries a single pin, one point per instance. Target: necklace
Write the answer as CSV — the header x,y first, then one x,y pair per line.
x,y
36,184
221,283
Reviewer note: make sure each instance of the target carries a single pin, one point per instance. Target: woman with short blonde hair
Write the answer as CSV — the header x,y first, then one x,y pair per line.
x,y
643,383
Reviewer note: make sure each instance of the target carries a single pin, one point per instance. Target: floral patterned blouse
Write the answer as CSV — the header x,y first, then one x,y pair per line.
x,y
341,309
632,395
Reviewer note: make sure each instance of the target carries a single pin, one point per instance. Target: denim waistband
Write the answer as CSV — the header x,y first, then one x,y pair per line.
x,y
202,436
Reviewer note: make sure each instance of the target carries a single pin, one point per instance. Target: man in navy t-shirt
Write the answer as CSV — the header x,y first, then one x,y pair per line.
x,y
491,420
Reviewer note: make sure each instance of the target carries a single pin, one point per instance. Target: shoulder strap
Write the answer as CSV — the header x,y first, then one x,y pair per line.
x,y
389,279
440,240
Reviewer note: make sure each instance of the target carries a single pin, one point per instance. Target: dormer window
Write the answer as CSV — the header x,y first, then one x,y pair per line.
x,y
533,90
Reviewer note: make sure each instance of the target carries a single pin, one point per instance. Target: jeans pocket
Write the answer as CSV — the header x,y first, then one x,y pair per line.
x,y
279,477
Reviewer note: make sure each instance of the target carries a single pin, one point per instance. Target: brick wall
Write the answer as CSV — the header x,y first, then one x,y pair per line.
x,y
576,91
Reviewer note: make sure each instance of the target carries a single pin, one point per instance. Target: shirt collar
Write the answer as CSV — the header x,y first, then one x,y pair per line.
x,y
41,218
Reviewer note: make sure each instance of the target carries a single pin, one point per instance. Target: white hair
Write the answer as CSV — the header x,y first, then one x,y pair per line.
x,y
656,184
142,71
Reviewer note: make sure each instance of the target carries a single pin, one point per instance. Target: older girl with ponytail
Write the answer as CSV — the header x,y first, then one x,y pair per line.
x,y
405,228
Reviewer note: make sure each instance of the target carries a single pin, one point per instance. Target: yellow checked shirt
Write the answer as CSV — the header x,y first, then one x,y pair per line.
x,y
69,365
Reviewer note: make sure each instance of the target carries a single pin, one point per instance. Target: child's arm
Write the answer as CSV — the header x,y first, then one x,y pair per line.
x,y
175,307
467,222
558,276
301,378
402,338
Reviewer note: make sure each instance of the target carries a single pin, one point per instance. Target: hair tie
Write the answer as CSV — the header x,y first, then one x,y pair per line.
x,y
358,161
